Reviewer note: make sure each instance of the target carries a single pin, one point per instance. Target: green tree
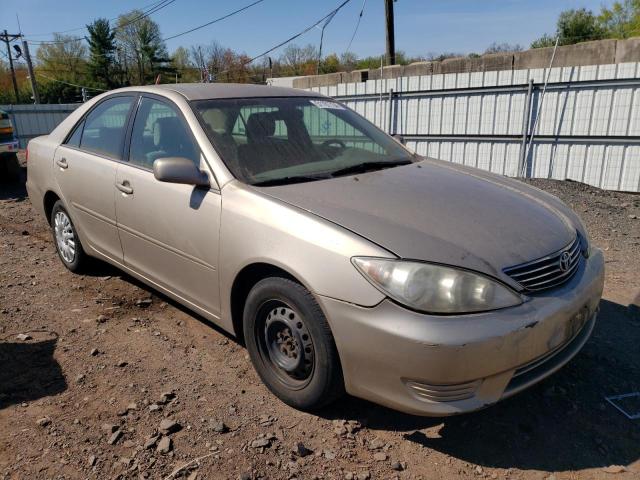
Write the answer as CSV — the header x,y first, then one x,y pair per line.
x,y
622,20
102,63
574,26
144,54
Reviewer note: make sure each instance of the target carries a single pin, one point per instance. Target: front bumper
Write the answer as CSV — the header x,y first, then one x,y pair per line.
x,y
445,365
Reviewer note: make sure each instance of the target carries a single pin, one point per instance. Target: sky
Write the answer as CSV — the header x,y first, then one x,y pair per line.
x,y
422,27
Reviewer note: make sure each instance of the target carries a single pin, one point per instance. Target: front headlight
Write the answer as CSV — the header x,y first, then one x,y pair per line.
x,y
435,288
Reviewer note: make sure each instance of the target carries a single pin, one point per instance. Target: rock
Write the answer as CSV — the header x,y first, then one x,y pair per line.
x,y
94,352
122,363
219,427
613,469
109,427
102,318
245,476
397,466
167,397
260,443
168,426
329,455
164,445
349,476
364,476
301,451
479,470
144,302
132,406
151,442
80,378
115,436
379,456
375,444
44,421
154,407
23,337
91,461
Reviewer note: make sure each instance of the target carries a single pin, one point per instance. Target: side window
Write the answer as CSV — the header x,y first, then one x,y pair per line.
x,y
159,131
104,128
74,139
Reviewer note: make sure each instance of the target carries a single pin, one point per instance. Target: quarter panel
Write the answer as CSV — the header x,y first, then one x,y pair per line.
x,y
256,228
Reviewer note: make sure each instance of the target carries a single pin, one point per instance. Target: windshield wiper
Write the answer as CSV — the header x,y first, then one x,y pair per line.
x,y
292,179
368,167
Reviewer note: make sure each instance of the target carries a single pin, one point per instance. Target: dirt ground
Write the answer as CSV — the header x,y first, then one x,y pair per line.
x,y
109,363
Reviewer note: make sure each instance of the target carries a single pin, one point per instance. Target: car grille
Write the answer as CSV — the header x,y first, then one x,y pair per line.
x,y
550,271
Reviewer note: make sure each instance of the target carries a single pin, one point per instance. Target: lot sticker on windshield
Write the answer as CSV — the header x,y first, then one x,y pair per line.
x,y
326,104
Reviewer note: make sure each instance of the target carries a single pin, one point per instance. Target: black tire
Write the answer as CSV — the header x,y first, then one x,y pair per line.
x,y
79,259
317,379
10,169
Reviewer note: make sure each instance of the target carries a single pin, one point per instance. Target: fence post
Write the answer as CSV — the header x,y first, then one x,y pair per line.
x,y
390,110
526,118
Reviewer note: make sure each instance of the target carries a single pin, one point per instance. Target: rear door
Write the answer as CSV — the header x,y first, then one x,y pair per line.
x,y
85,169
169,231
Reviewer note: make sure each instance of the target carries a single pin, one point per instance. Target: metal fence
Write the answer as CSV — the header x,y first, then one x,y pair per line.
x,y
29,121
587,127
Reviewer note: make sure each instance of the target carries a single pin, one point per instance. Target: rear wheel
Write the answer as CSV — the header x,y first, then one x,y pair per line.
x,y
10,170
66,239
291,345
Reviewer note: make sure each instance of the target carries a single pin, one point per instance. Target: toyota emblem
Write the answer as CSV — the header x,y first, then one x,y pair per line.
x,y
565,261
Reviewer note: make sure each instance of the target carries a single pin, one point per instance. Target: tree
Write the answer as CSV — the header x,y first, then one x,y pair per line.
x,y
622,20
64,58
298,60
504,47
102,63
573,26
183,66
143,52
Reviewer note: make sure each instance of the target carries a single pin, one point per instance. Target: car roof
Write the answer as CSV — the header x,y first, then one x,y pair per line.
x,y
208,91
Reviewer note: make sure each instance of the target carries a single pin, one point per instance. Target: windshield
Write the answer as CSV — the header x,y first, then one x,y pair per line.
x,y
268,141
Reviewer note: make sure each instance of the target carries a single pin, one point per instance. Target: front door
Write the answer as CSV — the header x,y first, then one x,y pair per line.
x,y
85,170
169,231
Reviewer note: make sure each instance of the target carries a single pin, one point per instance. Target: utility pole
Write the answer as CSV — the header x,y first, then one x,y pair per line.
x,y
6,38
32,76
391,39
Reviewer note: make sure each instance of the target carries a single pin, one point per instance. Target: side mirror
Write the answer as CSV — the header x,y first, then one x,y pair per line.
x,y
179,170
399,138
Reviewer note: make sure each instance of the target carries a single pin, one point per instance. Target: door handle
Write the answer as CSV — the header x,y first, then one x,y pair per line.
x,y
125,187
62,163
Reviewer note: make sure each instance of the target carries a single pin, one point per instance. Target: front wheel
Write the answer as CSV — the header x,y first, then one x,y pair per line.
x,y
66,239
291,345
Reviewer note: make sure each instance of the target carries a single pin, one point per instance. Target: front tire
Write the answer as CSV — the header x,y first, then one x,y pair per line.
x,y
291,345
66,239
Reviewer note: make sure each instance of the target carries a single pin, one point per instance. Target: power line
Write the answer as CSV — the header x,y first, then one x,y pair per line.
x,y
364,3
69,83
290,39
143,8
162,4
213,21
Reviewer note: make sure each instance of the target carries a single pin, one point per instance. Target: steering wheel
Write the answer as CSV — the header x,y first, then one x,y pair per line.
x,y
334,141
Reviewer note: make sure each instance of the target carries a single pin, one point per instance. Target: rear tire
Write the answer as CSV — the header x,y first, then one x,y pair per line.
x,y
66,239
10,169
290,344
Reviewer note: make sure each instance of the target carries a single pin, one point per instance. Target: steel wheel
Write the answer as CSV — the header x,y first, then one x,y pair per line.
x,y
285,343
65,236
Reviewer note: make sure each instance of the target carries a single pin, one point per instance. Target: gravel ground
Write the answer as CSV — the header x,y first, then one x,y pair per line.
x,y
112,380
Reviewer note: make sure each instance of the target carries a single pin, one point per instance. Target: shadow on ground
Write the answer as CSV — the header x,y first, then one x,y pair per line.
x,y
29,371
563,423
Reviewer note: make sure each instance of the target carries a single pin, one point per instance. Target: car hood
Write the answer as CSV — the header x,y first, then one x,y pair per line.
x,y
441,212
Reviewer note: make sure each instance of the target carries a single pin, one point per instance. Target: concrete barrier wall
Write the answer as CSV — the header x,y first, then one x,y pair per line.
x,y
587,129
601,52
